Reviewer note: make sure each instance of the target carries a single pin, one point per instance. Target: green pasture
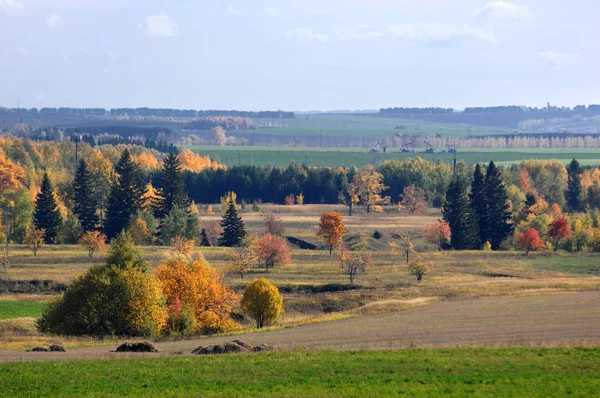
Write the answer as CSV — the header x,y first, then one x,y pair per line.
x,y
460,372
20,309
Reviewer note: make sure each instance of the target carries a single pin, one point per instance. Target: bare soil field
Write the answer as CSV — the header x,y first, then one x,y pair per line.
x,y
556,320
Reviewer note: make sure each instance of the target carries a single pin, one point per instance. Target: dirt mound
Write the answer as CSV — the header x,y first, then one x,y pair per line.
x,y
57,348
137,347
38,349
232,347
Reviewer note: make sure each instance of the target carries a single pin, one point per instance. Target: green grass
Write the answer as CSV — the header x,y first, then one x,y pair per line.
x,y
21,309
567,263
328,157
458,372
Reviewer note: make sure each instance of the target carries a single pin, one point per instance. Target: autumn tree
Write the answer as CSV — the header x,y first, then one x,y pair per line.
x,y
349,195
438,234
403,245
300,199
332,229
218,136
530,241
419,268
11,175
273,224
183,246
273,250
262,301
84,196
198,288
558,231
93,241
122,253
343,254
213,233
34,239
413,201
46,215
370,187
355,264
244,256
126,196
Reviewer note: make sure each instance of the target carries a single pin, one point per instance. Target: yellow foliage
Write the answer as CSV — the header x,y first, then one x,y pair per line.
x,y
193,162
147,161
262,301
146,312
11,175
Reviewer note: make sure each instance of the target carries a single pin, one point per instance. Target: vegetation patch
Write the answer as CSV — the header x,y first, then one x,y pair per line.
x,y
21,309
33,286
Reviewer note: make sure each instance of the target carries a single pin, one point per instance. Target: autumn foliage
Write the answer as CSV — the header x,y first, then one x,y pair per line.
x,y
438,234
273,250
530,241
93,241
413,201
262,301
332,229
559,230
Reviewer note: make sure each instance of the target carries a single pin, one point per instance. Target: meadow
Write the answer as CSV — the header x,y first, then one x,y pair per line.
x,y
358,157
301,373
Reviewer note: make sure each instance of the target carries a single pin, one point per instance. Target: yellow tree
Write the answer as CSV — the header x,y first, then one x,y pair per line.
x,y
332,229
34,239
349,196
370,187
262,301
243,256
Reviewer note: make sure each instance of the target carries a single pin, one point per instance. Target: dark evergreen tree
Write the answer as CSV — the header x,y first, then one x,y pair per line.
x,y
46,215
172,194
530,200
126,196
573,192
499,220
457,212
204,238
233,227
85,198
479,205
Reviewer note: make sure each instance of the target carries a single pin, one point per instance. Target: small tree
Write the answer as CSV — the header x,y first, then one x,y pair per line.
x,y
262,301
356,263
233,227
213,233
123,253
558,231
244,256
530,241
349,196
438,234
404,246
419,269
343,253
300,199
273,250
273,224
332,229
34,239
93,241
413,201
290,200
183,246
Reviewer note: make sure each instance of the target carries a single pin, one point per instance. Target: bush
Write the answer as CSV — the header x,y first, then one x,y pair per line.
x,y
262,302
377,235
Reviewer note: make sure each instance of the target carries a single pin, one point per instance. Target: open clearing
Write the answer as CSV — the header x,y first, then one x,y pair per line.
x,y
571,319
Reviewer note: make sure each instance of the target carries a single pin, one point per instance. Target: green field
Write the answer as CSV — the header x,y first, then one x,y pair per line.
x,y
458,372
330,157
20,309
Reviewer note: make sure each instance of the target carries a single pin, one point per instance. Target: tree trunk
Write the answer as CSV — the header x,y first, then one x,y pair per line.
x,y
350,210
407,257
330,249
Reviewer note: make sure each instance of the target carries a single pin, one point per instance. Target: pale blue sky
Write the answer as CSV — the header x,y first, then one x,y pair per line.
x,y
298,54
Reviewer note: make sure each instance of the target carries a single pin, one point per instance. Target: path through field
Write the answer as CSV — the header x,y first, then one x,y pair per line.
x,y
542,320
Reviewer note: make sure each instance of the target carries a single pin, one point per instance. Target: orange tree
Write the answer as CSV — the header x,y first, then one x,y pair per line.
x,y
197,288
530,241
93,241
559,230
332,229
438,234
273,250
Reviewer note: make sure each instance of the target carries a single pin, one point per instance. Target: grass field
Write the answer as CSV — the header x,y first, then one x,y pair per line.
x,y
329,157
458,372
10,309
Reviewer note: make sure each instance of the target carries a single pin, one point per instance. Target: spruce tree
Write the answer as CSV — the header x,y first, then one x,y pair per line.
x,y
233,227
172,194
85,198
499,220
46,215
204,238
457,212
479,205
126,196
573,192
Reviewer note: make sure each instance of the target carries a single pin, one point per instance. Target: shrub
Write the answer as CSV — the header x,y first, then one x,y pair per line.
x,y
93,241
419,269
262,301
377,235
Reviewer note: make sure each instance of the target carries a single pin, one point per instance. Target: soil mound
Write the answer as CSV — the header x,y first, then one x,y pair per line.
x,y
137,347
38,349
57,348
232,347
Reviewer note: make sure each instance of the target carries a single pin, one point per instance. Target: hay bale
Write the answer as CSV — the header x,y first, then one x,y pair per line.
x,y
137,347
227,348
38,349
57,348
263,347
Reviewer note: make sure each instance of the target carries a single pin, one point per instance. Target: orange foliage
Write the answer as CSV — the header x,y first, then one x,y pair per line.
x,y
558,230
199,288
273,250
438,233
525,180
332,229
147,161
530,241
11,174
555,210
196,163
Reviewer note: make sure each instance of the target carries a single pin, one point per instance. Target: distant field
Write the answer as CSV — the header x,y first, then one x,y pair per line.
x,y
458,372
20,309
337,125
331,157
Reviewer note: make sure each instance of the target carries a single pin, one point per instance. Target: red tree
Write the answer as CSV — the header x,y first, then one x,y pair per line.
x,y
558,230
273,250
530,241
438,233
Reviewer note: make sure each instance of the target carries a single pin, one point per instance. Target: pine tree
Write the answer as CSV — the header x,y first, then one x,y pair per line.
x,y
85,198
204,238
46,215
499,220
172,194
233,227
573,192
479,205
457,212
126,196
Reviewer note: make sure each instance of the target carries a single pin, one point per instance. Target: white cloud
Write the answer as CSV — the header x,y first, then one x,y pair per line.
x,y
503,10
54,20
439,33
11,7
272,12
559,60
358,32
160,25
306,35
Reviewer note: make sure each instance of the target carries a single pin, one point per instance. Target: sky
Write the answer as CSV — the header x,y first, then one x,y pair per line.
x,y
298,54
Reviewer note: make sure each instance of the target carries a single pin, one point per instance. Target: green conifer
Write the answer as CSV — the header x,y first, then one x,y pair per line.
x,y
233,227
85,198
46,215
